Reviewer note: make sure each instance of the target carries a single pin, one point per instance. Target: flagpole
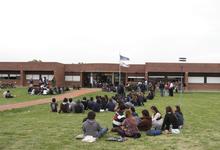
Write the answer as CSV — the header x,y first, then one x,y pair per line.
x,y
119,73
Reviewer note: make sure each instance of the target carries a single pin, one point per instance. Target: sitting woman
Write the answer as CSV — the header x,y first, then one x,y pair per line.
x,y
170,120
179,116
146,121
91,127
157,119
129,127
118,117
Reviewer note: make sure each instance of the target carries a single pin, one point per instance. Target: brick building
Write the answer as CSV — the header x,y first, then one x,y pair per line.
x,y
196,76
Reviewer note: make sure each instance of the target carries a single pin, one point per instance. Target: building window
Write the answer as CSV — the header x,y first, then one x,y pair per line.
x,y
32,76
3,76
135,79
195,79
48,77
14,76
72,78
213,79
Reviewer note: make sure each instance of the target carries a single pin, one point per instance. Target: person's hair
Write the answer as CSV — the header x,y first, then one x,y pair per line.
x,y
54,100
84,98
145,113
91,98
132,109
65,100
8,91
128,113
91,115
154,108
98,101
169,109
70,100
178,109
121,106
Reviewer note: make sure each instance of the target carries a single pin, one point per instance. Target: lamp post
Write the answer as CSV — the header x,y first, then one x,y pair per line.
x,y
182,59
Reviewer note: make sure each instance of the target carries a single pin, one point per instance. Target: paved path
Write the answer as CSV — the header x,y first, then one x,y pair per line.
x,y
73,94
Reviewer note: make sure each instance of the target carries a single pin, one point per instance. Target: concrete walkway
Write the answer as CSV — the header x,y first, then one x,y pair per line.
x,y
72,94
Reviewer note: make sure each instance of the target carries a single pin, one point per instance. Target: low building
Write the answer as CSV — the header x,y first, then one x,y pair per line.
x,y
195,76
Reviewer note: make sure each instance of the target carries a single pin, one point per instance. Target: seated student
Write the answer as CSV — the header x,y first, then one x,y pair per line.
x,y
79,108
129,126
118,117
150,95
7,94
92,128
64,106
146,121
53,105
169,120
135,115
157,119
97,106
85,103
110,106
71,105
179,116
91,103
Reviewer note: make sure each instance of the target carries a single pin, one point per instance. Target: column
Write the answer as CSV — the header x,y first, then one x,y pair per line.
x,y
22,78
186,80
113,78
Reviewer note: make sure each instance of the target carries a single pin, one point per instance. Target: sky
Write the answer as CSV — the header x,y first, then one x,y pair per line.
x,y
97,31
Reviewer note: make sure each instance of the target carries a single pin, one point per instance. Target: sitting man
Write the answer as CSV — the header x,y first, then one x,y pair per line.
x,y
53,105
79,108
92,128
110,106
64,106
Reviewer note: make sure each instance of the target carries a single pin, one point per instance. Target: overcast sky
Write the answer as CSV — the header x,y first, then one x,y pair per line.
x,y
71,31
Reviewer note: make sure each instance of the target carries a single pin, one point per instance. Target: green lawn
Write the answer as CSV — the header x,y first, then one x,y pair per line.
x,y
21,96
37,128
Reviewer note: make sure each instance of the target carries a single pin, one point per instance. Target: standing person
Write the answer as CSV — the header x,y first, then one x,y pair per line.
x,y
170,120
171,88
53,105
129,126
92,128
179,116
157,119
161,87
146,121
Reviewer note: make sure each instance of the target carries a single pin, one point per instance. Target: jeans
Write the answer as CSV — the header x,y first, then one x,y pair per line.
x,y
161,92
102,132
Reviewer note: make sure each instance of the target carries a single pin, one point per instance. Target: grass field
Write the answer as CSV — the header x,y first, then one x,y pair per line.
x,y
37,128
21,96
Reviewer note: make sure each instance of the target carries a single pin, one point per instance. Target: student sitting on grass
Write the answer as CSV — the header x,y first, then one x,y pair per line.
x,y
110,105
7,94
129,126
92,128
64,106
157,119
170,121
91,103
97,106
71,105
146,121
179,116
79,108
53,105
118,117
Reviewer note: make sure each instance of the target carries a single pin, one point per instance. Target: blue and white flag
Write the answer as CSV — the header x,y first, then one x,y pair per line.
x,y
124,64
123,58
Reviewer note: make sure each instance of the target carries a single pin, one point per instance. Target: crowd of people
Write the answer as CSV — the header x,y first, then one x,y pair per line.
x,y
43,88
126,121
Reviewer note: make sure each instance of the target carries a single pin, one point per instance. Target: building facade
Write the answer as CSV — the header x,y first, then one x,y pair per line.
x,y
195,76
